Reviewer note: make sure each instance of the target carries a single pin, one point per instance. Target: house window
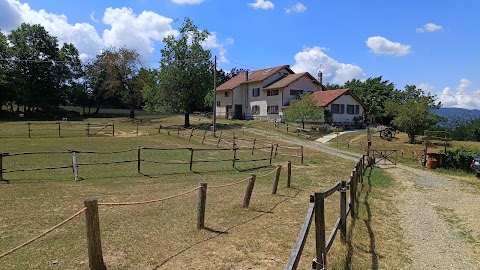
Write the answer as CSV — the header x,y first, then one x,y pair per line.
x,y
227,94
350,109
218,103
256,109
272,109
338,108
272,92
357,109
296,92
335,108
256,92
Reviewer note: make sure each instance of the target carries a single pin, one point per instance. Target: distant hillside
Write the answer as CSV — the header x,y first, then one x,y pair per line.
x,y
456,113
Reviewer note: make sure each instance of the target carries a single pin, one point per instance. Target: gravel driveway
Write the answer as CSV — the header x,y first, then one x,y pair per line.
x,y
439,215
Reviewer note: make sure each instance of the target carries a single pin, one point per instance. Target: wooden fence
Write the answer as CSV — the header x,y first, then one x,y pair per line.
x,y
94,242
59,129
139,158
316,210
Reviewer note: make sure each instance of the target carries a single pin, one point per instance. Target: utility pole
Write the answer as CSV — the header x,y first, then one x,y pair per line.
x,y
215,96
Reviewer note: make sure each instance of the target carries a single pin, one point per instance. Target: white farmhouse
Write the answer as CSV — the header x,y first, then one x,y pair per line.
x,y
346,108
261,94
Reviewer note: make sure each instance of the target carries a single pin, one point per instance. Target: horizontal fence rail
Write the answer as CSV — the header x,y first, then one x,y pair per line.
x,y
316,211
139,156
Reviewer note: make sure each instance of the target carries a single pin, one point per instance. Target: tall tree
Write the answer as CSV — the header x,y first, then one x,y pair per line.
x,y
35,54
186,71
303,109
374,92
96,80
125,76
5,67
412,111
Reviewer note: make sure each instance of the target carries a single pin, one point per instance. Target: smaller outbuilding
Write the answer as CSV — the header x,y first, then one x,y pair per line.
x,y
345,108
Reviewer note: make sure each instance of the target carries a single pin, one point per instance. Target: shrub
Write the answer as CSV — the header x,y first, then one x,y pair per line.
x,y
459,159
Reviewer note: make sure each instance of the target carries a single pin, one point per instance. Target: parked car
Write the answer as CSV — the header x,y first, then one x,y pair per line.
x,y
476,165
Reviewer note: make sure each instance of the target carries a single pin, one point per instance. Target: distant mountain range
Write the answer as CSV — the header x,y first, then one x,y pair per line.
x,y
457,113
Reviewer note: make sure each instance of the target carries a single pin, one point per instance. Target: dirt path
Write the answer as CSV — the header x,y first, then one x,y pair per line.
x,y
439,215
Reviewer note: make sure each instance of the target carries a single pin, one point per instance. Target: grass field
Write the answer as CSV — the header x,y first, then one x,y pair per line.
x,y
163,235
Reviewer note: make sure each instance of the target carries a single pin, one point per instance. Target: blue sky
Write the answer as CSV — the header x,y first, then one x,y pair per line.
x,y
431,44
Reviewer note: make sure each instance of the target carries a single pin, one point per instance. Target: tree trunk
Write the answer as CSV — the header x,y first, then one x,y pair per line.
x,y
187,119
303,124
98,108
411,138
132,113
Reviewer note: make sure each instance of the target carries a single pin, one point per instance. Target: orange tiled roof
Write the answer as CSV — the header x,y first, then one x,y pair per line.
x,y
253,76
290,79
324,98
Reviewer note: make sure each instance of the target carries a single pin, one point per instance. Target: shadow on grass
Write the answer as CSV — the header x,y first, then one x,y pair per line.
x,y
367,221
220,233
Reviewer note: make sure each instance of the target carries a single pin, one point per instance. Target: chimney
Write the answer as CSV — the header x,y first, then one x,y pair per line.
x,y
320,77
246,75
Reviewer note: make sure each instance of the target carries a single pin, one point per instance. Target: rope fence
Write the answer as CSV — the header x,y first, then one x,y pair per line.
x,y
92,215
43,234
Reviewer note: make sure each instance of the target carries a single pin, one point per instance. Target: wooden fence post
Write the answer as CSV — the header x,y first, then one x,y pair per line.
x,y
59,133
320,247
301,154
277,178
353,190
234,155
248,192
137,128
95,257
1,167
276,150
233,139
191,134
29,130
159,128
253,147
289,173
343,211
204,135
191,158
178,131
202,201
219,138
271,154
139,158
75,165
113,130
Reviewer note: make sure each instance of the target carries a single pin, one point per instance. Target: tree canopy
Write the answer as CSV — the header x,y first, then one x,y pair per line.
x,y
186,73
412,111
303,109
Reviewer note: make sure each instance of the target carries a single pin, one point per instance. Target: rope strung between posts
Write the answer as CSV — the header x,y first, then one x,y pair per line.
x,y
231,184
259,176
150,201
43,234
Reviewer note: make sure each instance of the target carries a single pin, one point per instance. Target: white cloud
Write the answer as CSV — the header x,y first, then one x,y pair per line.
x,y
212,43
83,35
314,59
381,45
187,2
135,31
461,97
261,4
92,17
429,27
297,8
126,28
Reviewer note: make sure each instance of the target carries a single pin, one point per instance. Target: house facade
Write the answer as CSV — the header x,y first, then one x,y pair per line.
x,y
345,107
261,94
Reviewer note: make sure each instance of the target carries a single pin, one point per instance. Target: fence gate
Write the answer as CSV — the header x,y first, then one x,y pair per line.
x,y
389,157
